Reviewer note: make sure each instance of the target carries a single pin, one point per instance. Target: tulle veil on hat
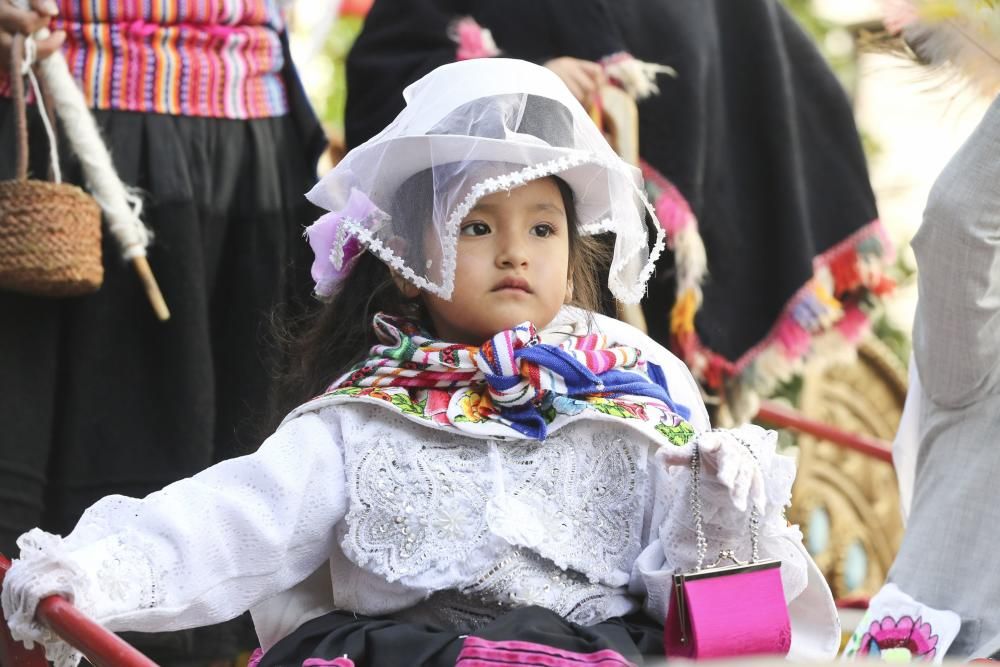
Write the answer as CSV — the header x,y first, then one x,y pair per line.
x,y
470,129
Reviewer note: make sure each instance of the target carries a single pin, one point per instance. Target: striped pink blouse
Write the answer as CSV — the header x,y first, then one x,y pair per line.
x,y
213,58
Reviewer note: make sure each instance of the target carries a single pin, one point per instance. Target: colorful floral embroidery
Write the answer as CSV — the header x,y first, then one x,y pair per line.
x,y
476,407
566,405
899,640
351,391
501,385
617,408
398,399
678,434
408,406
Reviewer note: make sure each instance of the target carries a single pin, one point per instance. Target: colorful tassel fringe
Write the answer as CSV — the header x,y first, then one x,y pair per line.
x,y
829,305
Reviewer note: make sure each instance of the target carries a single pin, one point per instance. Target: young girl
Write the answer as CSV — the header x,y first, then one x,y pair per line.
x,y
729,167
489,468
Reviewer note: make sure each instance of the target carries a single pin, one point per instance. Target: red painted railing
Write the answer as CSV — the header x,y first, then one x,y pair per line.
x,y
774,414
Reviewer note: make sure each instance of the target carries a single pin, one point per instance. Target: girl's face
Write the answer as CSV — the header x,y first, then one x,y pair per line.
x,y
512,265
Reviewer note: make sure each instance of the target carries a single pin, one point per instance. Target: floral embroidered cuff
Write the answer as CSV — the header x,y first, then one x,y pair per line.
x,y
897,628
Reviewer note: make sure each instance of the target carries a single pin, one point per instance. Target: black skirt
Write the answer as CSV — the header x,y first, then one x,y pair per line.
x,y
528,636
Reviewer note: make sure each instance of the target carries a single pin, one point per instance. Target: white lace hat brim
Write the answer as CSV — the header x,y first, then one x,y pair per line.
x,y
389,163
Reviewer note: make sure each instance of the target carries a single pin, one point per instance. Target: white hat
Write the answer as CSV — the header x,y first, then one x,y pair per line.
x,y
470,129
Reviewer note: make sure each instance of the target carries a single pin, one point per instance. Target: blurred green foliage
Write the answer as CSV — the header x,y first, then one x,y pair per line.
x,y
330,105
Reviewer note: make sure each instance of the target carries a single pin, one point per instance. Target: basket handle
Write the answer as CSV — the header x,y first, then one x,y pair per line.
x,y
45,106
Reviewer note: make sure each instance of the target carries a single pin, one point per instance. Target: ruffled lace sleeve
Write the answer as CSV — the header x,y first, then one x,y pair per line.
x,y
197,552
672,542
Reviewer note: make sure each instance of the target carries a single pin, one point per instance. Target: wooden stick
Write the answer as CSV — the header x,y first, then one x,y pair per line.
x,y
615,106
149,283
120,207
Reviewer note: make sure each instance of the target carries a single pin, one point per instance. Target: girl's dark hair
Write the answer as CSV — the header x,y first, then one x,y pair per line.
x,y
323,345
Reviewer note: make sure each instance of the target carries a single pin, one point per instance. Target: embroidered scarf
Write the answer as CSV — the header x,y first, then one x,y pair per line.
x,y
515,379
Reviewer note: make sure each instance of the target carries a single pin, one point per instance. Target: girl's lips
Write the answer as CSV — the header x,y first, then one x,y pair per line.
x,y
513,284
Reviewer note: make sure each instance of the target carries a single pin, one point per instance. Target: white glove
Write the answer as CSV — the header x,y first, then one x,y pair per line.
x,y
41,571
726,457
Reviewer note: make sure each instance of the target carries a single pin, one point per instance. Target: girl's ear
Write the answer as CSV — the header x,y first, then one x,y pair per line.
x,y
408,289
569,291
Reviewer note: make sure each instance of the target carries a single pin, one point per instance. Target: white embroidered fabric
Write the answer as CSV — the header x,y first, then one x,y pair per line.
x,y
587,523
471,129
519,578
728,458
429,510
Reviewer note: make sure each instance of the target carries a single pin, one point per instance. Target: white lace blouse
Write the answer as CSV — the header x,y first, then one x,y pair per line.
x,y
355,507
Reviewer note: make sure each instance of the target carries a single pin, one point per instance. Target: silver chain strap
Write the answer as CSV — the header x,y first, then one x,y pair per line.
x,y
702,542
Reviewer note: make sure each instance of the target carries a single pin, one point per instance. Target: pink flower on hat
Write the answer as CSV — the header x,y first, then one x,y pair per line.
x,y
334,245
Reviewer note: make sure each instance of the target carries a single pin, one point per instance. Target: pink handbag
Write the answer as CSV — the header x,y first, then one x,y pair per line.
x,y
727,610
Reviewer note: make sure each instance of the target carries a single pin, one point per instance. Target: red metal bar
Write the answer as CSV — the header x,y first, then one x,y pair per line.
x,y
102,647
775,414
13,653
853,603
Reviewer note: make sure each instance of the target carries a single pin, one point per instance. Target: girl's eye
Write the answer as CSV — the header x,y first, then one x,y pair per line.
x,y
474,229
544,229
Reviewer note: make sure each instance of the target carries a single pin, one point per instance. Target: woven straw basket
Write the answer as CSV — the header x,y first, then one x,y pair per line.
x,y
50,233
